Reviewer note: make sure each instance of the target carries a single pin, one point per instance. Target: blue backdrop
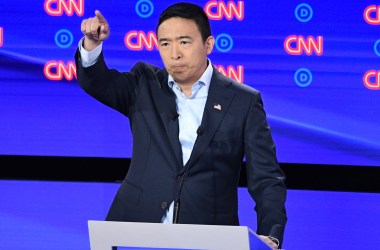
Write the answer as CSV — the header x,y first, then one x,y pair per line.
x,y
317,64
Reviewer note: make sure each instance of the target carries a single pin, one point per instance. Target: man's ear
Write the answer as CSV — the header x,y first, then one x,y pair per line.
x,y
210,44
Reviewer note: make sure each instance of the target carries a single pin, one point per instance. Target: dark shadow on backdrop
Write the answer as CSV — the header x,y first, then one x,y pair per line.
x,y
92,169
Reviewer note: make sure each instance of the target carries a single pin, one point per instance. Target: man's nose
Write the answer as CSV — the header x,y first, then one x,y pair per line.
x,y
176,53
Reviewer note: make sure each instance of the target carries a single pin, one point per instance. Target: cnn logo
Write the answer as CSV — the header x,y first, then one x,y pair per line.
x,y
236,74
371,79
69,7
372,15
1,36
296,45
57,70
217,10
137,40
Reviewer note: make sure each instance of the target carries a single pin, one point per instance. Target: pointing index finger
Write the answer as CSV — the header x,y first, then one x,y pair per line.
x,y
100,16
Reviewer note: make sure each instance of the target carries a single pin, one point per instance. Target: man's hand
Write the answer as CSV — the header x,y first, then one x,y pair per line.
x,y
95,30
269,241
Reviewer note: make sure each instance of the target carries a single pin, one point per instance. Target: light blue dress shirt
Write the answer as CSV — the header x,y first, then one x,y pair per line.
x,y
190,110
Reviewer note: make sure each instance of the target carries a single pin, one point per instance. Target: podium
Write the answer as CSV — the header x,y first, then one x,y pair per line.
x,y
108,235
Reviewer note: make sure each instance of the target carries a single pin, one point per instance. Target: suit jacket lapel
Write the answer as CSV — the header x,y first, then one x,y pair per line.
x,y
218,101
165,103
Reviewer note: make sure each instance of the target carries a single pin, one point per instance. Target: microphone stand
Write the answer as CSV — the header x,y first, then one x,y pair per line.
x,y
177,201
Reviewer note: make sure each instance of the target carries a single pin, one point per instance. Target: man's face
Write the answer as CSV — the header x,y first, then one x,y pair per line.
x,y
182,50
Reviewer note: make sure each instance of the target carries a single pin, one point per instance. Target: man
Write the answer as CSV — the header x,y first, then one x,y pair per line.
x,y
191,126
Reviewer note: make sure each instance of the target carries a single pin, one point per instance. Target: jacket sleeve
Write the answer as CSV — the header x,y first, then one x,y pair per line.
x,y
109,86
265,179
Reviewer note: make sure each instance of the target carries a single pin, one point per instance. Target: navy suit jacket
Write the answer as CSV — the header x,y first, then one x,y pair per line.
x,y
234,125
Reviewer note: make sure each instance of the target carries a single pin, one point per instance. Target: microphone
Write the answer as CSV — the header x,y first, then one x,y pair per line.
x,y
177,201
174,115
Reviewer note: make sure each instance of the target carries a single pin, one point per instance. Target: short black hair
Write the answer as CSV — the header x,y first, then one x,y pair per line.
x,y
189,11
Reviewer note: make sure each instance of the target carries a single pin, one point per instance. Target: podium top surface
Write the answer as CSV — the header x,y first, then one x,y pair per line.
x,y
137,235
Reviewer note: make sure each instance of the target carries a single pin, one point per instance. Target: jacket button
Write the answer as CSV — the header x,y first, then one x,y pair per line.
x,y
164,205
179,177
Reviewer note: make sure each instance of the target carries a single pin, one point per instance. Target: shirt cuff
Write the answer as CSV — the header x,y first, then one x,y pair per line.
x,y
89,58
274,240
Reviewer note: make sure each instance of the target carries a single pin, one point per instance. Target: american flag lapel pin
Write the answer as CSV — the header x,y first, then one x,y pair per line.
x,y
217,107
